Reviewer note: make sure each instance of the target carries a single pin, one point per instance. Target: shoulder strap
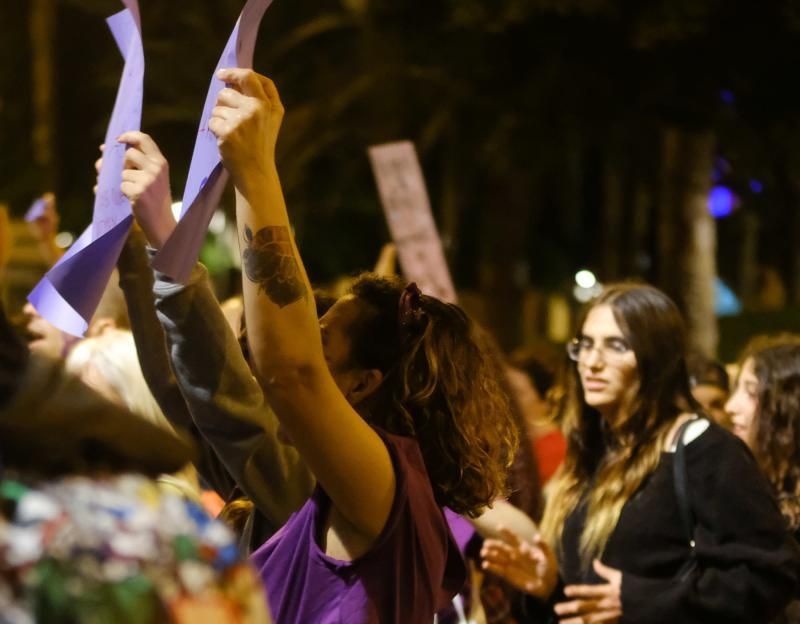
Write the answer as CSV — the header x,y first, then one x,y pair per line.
x,y
682,493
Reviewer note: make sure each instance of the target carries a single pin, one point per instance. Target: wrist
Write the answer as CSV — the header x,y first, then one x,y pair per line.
x,y
158,233
257,184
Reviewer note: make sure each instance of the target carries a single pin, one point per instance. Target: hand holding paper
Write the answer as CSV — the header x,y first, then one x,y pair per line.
x,y
145,182
246,122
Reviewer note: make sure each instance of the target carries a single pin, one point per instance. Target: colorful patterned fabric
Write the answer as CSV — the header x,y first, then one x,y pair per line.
x,y
83,550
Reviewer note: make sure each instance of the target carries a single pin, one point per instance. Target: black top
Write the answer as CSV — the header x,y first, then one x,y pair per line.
x,y
749,566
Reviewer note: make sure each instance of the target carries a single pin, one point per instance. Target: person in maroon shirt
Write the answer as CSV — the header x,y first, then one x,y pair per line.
x,y
393,398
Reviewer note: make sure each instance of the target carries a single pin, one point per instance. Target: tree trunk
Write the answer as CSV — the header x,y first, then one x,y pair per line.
x,y
504,259
449,203
794,284
611,261
42,33
687,238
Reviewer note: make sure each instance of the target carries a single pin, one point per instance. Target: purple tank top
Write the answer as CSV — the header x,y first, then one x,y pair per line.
x,y
413,569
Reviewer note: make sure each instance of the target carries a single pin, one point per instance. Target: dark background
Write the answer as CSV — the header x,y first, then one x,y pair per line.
x,y
552,133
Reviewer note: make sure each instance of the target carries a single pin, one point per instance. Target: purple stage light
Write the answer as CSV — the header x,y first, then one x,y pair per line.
x,y
721,201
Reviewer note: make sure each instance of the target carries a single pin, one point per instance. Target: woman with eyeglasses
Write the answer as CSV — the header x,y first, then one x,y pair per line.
x,y
613,545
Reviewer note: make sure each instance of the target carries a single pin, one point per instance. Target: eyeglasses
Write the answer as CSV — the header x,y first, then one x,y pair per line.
x,y
611,348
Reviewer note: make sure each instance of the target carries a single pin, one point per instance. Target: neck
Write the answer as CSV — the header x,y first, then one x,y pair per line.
x,y
612,415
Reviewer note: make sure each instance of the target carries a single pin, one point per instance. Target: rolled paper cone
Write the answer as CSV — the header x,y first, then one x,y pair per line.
x,y
68,295
206,180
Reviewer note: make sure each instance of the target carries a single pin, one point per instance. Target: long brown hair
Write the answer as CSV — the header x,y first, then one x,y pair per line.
x,y
441,385
776,444
605,466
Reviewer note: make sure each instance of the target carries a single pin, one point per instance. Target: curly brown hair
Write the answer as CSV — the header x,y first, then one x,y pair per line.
x,y
441,385
776,444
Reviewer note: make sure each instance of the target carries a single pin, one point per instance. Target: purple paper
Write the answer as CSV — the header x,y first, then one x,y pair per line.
x,y
110,205
68,295
36,210
207,178
461,529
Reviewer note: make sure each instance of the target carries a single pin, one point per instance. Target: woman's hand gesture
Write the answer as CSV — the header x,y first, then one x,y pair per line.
x,y
593,603
529,566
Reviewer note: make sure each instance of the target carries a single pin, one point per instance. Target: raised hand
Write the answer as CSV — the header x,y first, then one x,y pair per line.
x,y
44,229
145,182
593,603
246,122
528,566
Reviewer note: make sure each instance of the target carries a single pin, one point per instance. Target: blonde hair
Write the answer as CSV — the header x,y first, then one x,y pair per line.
x,y
112,355
603,467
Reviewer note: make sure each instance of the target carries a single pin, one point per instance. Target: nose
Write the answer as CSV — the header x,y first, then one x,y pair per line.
x,y
731,405
593,358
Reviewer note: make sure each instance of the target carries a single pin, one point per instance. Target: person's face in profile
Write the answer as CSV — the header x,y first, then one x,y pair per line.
x,y
713,398
742,407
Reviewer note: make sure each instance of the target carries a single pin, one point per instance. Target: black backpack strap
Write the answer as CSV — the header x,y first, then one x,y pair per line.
x,y
682,493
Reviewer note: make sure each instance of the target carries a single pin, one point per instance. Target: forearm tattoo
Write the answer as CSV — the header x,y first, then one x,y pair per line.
x,y
269,261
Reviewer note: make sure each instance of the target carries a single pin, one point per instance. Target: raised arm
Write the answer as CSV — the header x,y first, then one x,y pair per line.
x,y
225,400
345,454
185,331
136,283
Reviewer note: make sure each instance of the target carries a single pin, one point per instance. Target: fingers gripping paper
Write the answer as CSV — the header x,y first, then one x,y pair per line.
x,y
69,293
408,213
207,178
36,211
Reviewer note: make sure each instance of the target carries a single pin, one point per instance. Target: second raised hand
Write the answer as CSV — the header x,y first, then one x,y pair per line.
x,y
246,122
145,182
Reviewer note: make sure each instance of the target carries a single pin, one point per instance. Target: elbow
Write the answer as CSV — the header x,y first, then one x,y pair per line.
x,y
286,378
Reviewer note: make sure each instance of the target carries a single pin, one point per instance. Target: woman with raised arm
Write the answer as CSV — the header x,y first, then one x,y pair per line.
x,y
390,398
615,546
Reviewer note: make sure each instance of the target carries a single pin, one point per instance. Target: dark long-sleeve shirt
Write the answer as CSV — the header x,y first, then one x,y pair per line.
x,y
192,362
748,564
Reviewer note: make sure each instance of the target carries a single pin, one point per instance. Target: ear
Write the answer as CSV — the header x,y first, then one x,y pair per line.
x,y
99,326
366,383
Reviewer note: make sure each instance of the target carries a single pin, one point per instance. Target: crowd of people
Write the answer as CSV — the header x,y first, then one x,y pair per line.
x,y
295,457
